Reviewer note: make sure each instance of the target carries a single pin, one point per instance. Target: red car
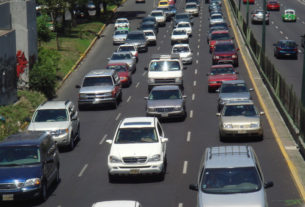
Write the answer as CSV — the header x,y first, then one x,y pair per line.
x,y
225,53
218,35
220,73
171,2
250,1
273,5
123,72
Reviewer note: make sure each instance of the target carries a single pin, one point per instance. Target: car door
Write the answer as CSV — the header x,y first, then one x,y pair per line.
x,y
73,114
161,134
117,84
52,157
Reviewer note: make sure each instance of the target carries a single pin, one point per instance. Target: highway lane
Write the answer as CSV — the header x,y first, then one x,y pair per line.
x,y
84,170
290,69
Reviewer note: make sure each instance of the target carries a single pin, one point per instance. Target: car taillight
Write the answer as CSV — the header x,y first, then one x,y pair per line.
x,y
234,56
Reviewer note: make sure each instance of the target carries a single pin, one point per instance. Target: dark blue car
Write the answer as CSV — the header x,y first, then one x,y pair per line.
x,y
29,164
286,48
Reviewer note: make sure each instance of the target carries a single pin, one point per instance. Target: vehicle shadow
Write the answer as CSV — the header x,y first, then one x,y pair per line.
x,y
241,139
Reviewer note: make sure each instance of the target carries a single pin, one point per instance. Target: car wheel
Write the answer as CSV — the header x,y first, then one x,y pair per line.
x,y
43,192
57,179
221,137
296,57
120,97
161,176
111,178
210,90
71,144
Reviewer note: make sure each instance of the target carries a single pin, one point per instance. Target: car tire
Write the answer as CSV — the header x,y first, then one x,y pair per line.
x,y
210,90
221,137
296,57
111,178
115,104
161,176
43,192
71,143
57,178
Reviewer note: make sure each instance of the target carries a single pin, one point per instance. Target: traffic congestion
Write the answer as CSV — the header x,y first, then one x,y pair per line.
x,y
161,112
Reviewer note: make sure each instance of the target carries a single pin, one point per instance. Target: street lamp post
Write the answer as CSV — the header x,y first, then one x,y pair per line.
x,y
263,36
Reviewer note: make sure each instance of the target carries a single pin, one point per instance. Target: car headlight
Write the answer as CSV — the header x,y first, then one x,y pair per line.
x,y
150,109
60,132
212,82
254,125
155,158
216,57
234,56
114,159
178,79
123,78
108,94
151,80
228,126
82,95
178,108
32,182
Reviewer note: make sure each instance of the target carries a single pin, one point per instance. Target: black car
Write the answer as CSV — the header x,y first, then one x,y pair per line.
x,y
286,48
166,11
139,39
182,17
148,26
29,164
220,24
150,19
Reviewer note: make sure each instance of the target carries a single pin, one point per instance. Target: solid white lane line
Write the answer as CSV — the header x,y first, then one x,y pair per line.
x,y
193,97
188,137
195,82
128,99
191,114
184,171
281,32
138,83
83,170
180,205
144,73
118,116
103,139
196,71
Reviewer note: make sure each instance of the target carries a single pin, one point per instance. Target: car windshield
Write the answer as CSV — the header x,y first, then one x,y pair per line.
x,y
147,26
224,48
223,70
182,16
233,88
239,110
98,81
183,25
230,180
126,48
179,32
163,3
220,36
149,33
181,49
19,155
50,115
135,37
118,68
287,44
122,21
121,32
156,14
165,66
149,19
164,94
216,17
289,12
136,135
191,6
120,56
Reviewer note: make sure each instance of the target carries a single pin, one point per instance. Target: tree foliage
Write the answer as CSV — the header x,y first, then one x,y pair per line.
x,y
43,74
43,30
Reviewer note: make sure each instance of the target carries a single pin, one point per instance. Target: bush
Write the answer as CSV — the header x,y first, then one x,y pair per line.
x,y
43,74
43,28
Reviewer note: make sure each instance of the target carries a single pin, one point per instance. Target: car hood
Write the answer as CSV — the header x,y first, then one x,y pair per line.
x,y
137,149
119,36
20,173
225,53
164,103
123,74
255,199
239,119
96,89
235,96
164,74
128,61
48,126
136,42
223,77
184,54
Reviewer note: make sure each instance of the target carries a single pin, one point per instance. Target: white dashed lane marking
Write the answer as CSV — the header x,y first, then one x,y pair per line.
x,y
128,99
188,136
118,116
138,83
83,170
103,139
184,171
193,97
191,114
195,83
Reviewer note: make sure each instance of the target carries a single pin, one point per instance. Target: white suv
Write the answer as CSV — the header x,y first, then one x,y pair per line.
x,y
60,118
138,147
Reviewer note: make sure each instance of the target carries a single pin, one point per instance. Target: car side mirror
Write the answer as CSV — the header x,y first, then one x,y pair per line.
x,y
163,139
193,187
261,113
268,184
217,114
146,98
145,68
109,141
77,86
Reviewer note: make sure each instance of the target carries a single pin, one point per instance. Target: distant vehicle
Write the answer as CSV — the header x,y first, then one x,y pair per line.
x,y
232,91
184,51
289,15
186,26
29,166
215,28
121,22
138,39
124,57
149,26
219,74
166,11
192,8
225,52
216,18
119,36
250,1
123,71
218,36
286,49
179,36
258,15
138,147
99,87
117,203
163,3
166,102
160,17
150,19
240,119
151,37
192,1
140,1
172,10
230,176
182,17
273,5
129,48
60,118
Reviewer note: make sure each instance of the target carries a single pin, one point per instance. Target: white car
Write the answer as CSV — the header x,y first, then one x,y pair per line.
x,y
160,16
151,37
192,8
216,18
121,22
138,147
129,48
117,203
185,25
184,51
179,35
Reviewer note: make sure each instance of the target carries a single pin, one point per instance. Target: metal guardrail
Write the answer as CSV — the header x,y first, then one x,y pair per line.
x,y
283,94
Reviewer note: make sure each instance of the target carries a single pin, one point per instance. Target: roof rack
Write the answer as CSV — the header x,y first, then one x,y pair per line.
x,y
232,151
165,56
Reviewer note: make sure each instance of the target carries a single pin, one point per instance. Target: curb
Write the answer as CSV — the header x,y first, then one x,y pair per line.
x,y
81,58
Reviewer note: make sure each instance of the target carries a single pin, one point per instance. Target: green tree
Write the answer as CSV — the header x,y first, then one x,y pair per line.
x,y
43,74
43,30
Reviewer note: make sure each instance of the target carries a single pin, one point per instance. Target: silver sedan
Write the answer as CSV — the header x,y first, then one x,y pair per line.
x,y
184,51
124,57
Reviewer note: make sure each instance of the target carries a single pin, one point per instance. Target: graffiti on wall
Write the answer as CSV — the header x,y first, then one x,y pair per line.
x,y
22,63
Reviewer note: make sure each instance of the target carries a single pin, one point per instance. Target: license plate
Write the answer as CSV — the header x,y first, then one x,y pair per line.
x,y
134,171
241,132
8,197
164,115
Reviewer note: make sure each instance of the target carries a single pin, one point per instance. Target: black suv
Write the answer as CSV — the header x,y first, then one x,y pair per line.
x,y
29,164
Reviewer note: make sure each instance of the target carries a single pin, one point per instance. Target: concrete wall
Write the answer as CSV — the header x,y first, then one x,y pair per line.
x,y
8,78
5,20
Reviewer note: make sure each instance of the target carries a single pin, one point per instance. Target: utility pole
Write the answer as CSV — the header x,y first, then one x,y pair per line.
x,y
303,80
239,5
263,35
247,13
